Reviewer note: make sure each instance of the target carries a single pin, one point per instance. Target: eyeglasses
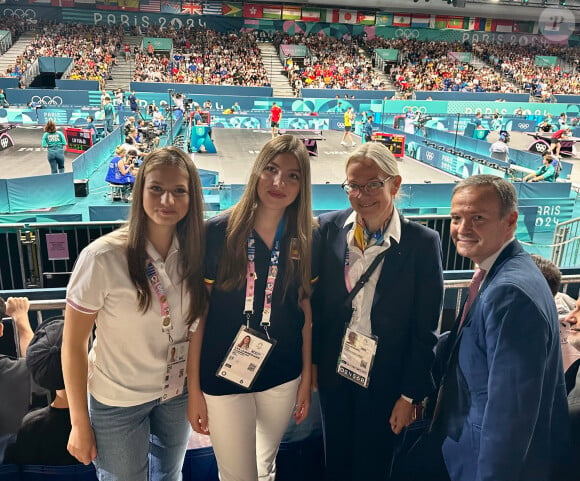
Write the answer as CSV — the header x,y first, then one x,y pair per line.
x,y
370,188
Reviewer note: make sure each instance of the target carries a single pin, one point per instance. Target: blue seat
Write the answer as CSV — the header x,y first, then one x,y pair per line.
x,y
78,472
9,472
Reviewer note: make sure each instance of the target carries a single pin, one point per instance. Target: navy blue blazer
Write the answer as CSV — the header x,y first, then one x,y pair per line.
x,y
404,315
503,405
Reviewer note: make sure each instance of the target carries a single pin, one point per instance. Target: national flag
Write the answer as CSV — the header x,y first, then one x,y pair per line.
x,y
440,22
488,25
310,14
148,5
384,19
252,10
273,12
212,7
85,3
365,19
455,22
420,21
329,15
473,23
347,16
401,20
503,25
107,5
60,3
232,9
171,6
191,8
131,5
291,13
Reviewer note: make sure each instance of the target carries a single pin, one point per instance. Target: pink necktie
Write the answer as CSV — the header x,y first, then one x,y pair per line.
x,y
476,281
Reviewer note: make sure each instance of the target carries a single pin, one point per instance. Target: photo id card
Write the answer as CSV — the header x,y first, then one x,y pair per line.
x,y
245,357
357,356
175,373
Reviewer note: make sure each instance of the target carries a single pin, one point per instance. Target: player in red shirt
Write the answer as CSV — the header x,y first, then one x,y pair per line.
x,y
275,116
555,140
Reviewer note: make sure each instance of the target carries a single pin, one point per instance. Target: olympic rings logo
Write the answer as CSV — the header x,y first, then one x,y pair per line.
x,y
340,125
46,100
523,126
19,12
429,155
423,110
406,33
4,142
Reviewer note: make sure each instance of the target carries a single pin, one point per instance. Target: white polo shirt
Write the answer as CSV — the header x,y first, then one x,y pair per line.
x,y
128,359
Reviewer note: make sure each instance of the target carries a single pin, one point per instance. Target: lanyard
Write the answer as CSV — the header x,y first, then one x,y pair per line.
x,y
270,281
159,290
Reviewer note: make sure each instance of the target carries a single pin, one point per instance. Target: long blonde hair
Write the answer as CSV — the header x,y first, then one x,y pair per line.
x,y
189,232
299,222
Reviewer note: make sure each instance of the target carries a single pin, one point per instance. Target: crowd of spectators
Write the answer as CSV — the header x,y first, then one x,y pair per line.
x,y
92,48
337,63
518,63
203,56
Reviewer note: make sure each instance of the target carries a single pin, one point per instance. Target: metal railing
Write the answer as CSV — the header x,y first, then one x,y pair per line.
x,y
566,244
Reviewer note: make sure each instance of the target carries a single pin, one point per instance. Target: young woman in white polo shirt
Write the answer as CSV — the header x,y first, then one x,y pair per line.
x,y
142,287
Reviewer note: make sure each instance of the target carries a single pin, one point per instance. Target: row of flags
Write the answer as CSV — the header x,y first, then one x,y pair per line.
x,y
298,13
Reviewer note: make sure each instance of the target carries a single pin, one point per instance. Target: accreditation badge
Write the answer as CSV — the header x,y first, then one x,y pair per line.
x,y
357,356
246,357
175,373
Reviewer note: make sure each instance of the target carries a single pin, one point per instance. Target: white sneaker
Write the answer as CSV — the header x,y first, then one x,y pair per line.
x,y
343,143
353,144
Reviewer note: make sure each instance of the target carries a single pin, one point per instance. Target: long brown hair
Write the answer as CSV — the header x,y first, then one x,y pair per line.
x,y
50,127
299,222
189,232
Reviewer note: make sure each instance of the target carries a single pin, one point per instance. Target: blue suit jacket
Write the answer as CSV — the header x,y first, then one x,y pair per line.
x,y
503,405
404,315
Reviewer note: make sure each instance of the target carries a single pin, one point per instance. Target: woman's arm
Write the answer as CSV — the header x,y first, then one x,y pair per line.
x,y
77,329
303,394
196,407
123,167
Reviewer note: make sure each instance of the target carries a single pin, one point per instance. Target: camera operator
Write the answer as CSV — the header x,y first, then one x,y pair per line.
x,y
131,142
148,136
178,100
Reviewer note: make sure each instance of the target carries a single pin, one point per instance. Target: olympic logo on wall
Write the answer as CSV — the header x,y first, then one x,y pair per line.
x,y
423,110
340,125
19,12
406,33
523,126
46,100
429,155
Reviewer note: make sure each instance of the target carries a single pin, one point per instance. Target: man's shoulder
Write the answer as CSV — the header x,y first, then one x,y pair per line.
x,y
11,368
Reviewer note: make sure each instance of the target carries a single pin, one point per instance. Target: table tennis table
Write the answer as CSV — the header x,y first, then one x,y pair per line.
x,y
308,137
542,142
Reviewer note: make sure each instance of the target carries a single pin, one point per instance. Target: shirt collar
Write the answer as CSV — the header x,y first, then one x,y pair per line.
x,y
155,256
393,228
488,263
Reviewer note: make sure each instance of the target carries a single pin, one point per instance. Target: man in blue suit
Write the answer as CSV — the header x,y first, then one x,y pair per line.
x,y
501,410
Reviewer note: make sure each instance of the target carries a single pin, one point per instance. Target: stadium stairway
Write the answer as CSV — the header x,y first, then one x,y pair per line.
x,y
278,79
122,73
9,58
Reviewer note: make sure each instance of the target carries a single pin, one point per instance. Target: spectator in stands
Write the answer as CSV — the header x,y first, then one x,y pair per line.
x,y
14,377
545,173
54,142
143,287
246,420
109,112
364,411
348,119
43,435
555,140
275,118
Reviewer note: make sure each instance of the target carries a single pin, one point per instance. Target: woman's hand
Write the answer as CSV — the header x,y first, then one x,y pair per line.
x,y
197,412
314,382
302,400
403,414
82,444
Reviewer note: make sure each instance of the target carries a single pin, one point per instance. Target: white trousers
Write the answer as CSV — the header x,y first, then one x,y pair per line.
x,y
246,430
